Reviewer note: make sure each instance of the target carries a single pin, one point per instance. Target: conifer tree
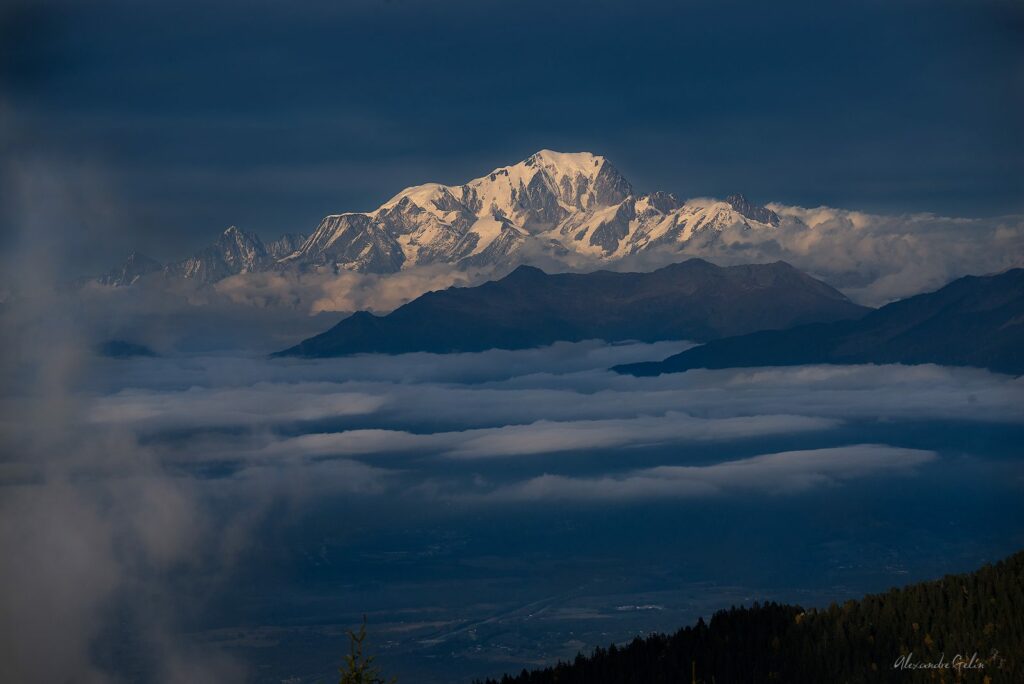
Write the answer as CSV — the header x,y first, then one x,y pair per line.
x,y
359,668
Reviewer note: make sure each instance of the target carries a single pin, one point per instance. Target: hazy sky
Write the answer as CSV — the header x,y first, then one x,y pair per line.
x,y
188,117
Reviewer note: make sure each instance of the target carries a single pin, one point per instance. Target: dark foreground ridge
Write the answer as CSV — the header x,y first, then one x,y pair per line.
x,y
693,300
974,620
973,321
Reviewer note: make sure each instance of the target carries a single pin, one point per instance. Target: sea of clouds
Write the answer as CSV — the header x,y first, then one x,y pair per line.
x,y
132,488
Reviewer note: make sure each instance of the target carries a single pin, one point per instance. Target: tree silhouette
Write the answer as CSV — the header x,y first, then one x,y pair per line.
x,y
978,614
359,668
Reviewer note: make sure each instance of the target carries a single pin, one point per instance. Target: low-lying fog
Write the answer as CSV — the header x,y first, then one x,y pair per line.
x,y
225,516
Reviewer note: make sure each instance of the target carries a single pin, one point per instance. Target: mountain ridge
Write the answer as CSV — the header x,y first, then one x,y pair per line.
x,y
693,300
972,321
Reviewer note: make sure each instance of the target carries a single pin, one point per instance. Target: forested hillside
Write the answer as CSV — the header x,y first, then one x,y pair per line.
x,y
860,641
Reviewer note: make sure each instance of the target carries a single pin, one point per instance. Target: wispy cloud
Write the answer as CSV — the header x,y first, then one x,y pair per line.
x,y
786,472
544,436
261,404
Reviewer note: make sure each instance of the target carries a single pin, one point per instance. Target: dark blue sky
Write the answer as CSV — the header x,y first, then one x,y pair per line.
x,y
196,116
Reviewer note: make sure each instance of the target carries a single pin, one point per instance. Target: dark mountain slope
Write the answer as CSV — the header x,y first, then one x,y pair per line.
x,y
973,321
861,641
693,300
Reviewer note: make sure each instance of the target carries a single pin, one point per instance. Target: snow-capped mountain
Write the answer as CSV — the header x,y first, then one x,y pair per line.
x,y
553,204
561,202
134,267
235,251
285,245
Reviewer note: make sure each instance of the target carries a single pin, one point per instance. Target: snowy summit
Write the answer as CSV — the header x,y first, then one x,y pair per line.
x,y
565,202
555,203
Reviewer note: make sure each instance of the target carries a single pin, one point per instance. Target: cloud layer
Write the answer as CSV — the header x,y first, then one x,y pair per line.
x,y
781,473
154,474
872,258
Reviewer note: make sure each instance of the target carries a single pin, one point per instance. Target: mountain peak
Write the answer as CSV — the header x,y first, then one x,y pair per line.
x,y
755,212
137,257
233,235
562,203
135,266
525,271
566,163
